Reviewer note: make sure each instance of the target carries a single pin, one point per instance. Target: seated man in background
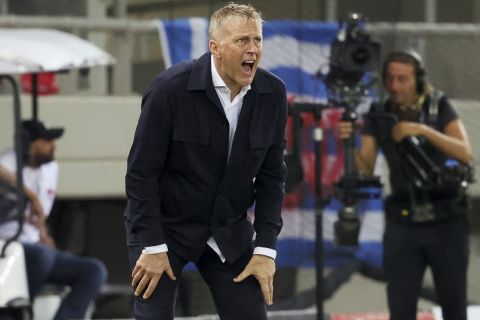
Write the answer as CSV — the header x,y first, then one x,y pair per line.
x,y
46,264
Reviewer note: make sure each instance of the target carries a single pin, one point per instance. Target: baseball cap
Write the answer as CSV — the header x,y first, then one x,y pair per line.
x,y
37,130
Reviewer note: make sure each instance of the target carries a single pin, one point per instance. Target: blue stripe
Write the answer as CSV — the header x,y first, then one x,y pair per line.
x,y
371,253
298,252
308,31
300,83
179,35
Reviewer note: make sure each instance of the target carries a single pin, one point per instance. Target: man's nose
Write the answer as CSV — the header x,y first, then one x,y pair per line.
x,y
252,47
392,85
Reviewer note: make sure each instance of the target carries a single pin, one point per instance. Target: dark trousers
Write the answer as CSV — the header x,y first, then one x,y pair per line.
x,y
233,301
409,249
85,277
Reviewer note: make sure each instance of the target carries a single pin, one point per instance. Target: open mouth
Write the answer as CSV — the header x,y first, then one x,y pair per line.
x,y
248,65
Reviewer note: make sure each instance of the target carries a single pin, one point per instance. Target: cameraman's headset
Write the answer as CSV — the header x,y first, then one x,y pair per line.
x,y
412,57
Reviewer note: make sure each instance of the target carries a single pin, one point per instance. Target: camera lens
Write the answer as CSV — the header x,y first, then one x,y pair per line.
x,y
360,55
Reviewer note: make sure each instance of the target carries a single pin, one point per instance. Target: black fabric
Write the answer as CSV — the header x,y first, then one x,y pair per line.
x,y
182,186
409,249
401,209
381,128
35,129
8,203
295,172
293,158
234,301
409,246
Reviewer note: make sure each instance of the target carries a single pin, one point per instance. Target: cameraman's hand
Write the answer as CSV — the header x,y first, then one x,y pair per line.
x,y
404,129
345,129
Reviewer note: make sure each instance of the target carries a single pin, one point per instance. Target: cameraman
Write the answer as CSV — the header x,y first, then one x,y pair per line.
x,y
419,232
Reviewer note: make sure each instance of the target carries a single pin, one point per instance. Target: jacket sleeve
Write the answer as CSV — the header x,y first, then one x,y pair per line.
x,y
145,166
270,181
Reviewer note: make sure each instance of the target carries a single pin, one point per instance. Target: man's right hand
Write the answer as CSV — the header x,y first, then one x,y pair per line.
x,y
345,129
37,216
148,271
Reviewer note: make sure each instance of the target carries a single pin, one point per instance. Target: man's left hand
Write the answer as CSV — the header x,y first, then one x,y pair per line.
x,y
405,128
45,237
263,269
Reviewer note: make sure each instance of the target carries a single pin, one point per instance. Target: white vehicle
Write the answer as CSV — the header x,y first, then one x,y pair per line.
x,y
14,298
30,51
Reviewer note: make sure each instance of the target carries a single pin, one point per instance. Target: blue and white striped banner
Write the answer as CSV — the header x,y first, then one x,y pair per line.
x,y
297,52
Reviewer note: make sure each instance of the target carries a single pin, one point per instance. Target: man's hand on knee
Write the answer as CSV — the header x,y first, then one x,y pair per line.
x,y
263,269
148,271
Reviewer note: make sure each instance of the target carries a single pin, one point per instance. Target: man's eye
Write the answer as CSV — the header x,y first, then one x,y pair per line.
x,y
241,41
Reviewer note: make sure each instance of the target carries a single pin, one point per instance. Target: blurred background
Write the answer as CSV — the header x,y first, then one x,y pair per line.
x,y
99,109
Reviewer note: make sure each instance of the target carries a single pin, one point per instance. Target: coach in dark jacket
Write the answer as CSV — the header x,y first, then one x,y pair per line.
x,y
208,145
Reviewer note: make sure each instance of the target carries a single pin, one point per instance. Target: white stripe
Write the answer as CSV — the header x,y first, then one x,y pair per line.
x,y
308,56
164,43
373,225
305,98
300,224
199,36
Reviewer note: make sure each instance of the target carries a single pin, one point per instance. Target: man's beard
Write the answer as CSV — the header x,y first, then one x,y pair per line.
x,y
41,159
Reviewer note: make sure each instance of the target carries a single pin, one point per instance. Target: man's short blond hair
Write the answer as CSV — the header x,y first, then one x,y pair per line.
x,y
222,16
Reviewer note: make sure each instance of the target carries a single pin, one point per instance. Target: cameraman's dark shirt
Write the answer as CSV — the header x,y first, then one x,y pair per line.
x,y
381,127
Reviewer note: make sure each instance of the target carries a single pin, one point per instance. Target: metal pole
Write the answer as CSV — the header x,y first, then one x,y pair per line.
x,y
34,82
430,11
331,10
19,163
316,110
317,138
121,8
3,7
132,25
97,77
79,23
476,12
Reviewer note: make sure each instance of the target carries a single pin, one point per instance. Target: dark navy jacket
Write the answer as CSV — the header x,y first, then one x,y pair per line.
x,y
180,188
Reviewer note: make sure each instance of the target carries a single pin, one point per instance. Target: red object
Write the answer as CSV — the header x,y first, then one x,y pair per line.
x,y
376,316
46,83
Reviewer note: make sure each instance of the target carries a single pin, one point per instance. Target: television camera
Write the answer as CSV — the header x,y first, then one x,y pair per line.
x,y
353,55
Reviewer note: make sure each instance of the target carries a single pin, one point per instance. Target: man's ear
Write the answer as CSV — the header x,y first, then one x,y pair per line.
x,y
214,48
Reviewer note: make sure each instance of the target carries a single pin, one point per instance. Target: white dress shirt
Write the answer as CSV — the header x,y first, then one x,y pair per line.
x,y
232,111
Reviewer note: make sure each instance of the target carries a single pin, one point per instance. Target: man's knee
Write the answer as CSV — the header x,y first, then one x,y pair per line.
x,y
99,270
95,272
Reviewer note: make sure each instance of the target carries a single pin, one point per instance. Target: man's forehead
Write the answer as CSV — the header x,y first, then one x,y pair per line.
x,y
234,24
400,66
41,142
